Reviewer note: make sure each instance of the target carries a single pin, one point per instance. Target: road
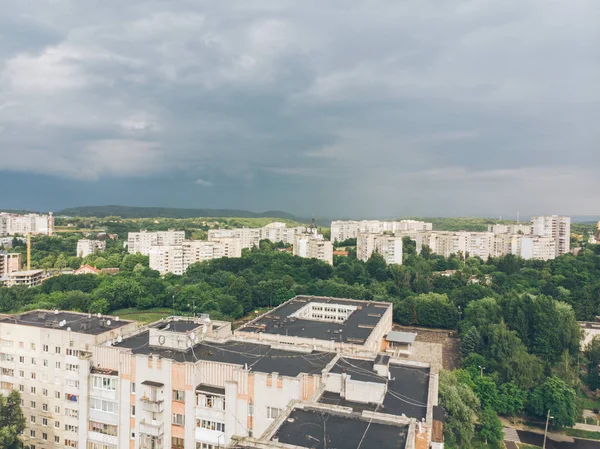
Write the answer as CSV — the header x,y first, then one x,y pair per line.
x,y
537,439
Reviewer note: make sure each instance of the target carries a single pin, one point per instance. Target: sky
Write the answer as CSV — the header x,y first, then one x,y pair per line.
x,y
340,108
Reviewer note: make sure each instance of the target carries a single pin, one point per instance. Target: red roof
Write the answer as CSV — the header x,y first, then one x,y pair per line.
x,y
87,267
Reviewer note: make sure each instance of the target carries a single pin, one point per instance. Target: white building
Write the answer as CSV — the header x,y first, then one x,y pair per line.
x,y
189,383
313,246
556,227
538,248
86,247
35,224
141,242
510,229
251,237
342,230
177,258
389,246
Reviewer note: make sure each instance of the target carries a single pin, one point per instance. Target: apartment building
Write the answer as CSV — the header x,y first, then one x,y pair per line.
x,y
251,237
389,246
29,278
10,262
35,224
86,247
143,241
188,382
537,248
177,258
524,229
556,227
313,246
346,229
47,357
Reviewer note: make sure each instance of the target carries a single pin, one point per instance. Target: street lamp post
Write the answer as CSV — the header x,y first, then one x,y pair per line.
x,y
481,368
548,418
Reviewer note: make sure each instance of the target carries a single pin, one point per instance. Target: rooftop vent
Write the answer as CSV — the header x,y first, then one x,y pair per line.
x,y
42,316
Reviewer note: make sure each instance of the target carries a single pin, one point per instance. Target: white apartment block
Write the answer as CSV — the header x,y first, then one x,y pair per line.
x,y
342,230
35,224
556,227
86,247
538,248
177,258
251,237
313,246
524,229
142,242
182,382
389,246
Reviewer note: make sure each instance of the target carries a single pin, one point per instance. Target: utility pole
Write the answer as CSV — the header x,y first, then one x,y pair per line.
x,y
546,431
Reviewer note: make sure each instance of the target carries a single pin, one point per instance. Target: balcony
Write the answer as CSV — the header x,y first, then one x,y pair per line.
x,y
148,442
153,405
151,428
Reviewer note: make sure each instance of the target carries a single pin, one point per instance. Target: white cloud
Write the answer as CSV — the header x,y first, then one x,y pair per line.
x,y
203,182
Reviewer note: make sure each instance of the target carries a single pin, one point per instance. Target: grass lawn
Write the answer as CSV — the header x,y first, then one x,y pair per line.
x,y
143,316
583,434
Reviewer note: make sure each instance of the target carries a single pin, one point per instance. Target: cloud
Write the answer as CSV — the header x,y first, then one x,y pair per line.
x,y
408,107
203,182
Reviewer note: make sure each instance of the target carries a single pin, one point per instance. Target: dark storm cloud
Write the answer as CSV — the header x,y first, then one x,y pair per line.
x,y
350,108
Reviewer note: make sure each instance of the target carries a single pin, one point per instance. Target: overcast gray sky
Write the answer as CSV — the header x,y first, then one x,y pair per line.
x,y
338,108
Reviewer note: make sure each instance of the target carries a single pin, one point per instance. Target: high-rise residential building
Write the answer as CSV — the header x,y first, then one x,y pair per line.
x,y
556,227
347,229
313,246
389,246
524,229
538,248
251,237
141,242
177,258
187,382
34,224
86,247
10,262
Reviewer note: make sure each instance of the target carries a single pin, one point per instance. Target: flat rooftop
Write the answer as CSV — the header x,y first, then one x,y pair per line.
x,y
407,390
308,428
77,322
358,326
258,357
177,325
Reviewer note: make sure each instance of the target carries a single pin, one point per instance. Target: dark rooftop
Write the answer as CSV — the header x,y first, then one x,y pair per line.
x,y
305,428
78,322
177,326
407,391
356,329
258,357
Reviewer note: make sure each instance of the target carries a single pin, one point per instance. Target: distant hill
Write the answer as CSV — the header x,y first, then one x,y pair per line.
x,y
167,212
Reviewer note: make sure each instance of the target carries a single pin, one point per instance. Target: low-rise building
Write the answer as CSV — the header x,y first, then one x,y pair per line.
x,y
86,247
29,278
87,269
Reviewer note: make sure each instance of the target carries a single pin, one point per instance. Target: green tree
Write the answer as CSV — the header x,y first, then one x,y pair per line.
x,y
61,262
592,354
491,426
376,267
461,407
487,392
12,421
555,395
470,342
511,399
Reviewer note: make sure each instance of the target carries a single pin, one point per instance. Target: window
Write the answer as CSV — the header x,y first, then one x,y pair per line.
x,y
71,428
33,361
273,413
44,392
45,348
106,429
45,363
92,445
176,443
6,343
133,410
44,421
32,404
57,424
72,413
132,434
32,433
73,352
10,372
132,387
210,425
32,390
104,383
22,388
70,443
105,406
178,419
21,373
205,446
57,365
32,419
45,407
33,376
22,359
71,367
72,383
7,357
179,395
57,349
57,439
56,409
44,436
57,394
71,397
209,401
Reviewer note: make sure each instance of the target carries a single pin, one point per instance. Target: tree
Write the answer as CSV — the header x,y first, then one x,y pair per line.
x,y
470,342
376,267
511,399
61,262
12,421
461,406
555,395
482,312
592,353
487,391
491,427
